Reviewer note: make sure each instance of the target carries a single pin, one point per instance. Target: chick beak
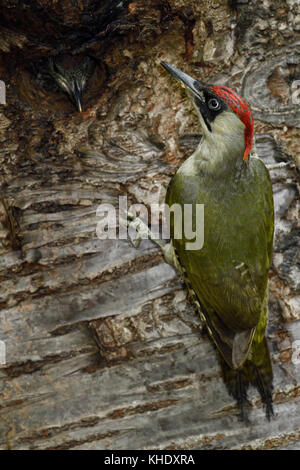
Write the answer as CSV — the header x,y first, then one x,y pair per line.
x,y
77,97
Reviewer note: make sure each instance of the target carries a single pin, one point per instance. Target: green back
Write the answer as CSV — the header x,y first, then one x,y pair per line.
x,y
229,274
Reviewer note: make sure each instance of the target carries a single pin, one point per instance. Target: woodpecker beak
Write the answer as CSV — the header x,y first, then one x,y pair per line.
x,y
196,87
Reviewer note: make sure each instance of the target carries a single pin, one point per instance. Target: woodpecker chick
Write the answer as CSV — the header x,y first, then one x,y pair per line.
x,y
71,73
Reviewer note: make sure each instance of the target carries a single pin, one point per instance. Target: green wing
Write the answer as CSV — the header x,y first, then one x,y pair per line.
x,y
229,275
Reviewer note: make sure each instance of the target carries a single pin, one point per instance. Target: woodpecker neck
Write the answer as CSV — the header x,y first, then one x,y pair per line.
x,y
221,150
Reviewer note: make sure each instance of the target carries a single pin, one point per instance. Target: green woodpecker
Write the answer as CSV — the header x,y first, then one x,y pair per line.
x,y
71,73
228,276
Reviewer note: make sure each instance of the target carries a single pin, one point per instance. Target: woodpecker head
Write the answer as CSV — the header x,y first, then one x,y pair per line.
x,y
223,113
71,73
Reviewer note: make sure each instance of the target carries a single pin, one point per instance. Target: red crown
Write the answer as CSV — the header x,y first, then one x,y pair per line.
x,y
240,107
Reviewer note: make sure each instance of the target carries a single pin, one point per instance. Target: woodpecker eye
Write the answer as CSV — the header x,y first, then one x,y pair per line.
x,y
213,104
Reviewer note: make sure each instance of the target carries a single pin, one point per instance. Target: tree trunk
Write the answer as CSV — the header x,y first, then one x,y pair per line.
x,y
103,349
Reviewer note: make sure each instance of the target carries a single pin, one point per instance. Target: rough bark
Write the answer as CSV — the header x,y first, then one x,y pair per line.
x,y
103,350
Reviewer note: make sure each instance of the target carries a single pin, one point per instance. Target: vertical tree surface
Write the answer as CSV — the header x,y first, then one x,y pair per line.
x,y
103,349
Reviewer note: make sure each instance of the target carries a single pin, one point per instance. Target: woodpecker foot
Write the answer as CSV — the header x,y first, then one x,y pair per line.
x,y
142,231
276,166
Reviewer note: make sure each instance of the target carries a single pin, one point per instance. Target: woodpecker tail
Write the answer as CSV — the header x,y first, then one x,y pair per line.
x,y
256,371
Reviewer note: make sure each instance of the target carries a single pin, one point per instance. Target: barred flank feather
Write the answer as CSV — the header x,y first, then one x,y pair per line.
x,y
190,289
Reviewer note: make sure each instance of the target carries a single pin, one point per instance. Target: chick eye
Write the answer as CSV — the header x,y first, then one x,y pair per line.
x,y
213,104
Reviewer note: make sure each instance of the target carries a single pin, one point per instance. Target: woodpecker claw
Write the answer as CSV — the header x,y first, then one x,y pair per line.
x,y
140,231
277,166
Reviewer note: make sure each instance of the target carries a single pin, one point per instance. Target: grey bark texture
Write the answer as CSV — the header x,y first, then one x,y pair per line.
x,y
103,348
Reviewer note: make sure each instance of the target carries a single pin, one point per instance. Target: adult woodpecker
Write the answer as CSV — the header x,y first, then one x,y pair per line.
x,y
71,73
228,277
